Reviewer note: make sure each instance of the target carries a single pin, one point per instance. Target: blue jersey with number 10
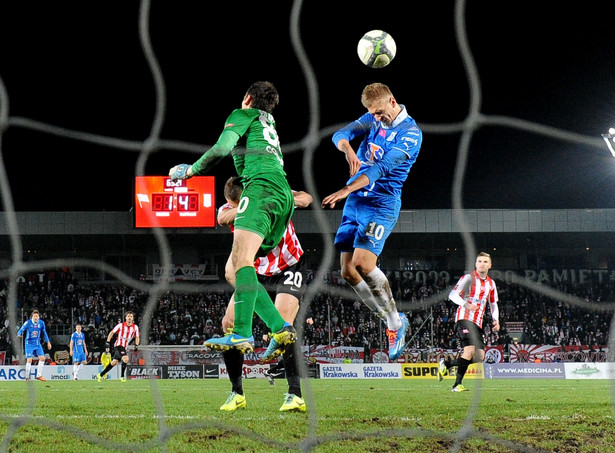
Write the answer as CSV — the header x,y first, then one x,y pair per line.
x,y
386,153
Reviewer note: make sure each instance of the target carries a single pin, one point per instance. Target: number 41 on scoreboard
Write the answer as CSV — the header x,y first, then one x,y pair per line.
x,y
162,202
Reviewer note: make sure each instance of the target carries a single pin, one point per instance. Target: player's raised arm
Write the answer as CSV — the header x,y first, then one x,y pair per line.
x,y
354,163
223,147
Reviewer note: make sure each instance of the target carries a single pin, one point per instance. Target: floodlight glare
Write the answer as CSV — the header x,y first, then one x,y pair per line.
x,y
610,139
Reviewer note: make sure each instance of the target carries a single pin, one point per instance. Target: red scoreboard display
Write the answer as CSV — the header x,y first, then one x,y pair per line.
x,y
162,202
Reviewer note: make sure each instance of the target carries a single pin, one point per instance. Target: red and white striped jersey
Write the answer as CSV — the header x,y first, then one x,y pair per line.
x,y
287,253
125,333
475,290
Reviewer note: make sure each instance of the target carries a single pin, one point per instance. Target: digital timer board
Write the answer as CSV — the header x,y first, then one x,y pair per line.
x,y
162,202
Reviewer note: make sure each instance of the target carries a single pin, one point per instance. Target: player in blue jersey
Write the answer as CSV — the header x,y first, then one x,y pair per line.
x,y
34,329
390,144
78,350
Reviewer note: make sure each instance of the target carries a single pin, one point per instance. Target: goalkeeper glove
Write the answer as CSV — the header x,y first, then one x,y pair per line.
x,y
181,171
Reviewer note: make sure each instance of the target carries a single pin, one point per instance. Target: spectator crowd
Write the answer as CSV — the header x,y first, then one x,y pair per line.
x,y
339,318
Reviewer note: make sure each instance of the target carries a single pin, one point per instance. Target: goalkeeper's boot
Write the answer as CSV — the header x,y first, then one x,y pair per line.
x,y
293,403
231,341
99,377
442,370
459,388
235,401
122,379
397,338
279,341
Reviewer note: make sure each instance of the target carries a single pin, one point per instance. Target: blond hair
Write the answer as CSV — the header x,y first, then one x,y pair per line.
x,y
374,92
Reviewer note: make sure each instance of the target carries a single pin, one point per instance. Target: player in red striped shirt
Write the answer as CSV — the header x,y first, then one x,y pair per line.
x,y
282,274
472,293
287,253
125,331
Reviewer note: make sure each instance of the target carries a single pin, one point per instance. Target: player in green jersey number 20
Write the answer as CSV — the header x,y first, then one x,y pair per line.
x,y
250,136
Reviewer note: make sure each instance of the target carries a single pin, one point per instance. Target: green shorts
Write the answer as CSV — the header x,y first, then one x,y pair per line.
x,y
265,208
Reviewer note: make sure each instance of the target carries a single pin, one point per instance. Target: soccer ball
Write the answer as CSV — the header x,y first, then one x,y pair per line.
x,y
376,49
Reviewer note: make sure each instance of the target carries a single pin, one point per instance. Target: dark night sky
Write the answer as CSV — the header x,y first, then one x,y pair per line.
x,y
80,66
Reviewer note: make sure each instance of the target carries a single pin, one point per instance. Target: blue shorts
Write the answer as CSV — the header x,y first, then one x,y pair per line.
x,y
34,351
79,357
366,224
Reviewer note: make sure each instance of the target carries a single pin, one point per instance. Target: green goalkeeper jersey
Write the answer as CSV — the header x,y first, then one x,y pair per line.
x,y
251,137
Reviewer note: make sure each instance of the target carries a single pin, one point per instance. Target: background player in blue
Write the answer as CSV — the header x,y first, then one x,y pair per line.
x,y
78,350
34,329
378,170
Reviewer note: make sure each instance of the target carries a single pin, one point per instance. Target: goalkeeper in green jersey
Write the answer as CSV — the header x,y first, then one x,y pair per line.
x,y
265,207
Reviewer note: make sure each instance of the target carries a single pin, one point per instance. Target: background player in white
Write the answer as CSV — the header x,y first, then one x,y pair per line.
x,y
34,329
281,273
125,331
472,293
390,145
78,350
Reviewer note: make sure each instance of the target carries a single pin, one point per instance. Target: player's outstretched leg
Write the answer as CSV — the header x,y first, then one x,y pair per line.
x,y
279,341
231,341
397,338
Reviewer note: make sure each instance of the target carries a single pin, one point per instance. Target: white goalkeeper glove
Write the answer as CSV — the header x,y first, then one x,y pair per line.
x,y
181,171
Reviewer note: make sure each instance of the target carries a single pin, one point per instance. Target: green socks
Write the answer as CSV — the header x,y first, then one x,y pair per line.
x,y
265,309
251,296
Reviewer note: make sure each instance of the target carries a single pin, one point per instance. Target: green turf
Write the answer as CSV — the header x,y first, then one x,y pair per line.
x,y
343,416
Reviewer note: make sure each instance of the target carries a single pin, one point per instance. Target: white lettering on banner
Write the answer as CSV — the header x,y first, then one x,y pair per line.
x,y
533,370
144,372
184,374
179,272
55,373
545,276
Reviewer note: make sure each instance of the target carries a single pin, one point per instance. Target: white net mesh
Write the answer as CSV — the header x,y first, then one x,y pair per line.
x,y
156,92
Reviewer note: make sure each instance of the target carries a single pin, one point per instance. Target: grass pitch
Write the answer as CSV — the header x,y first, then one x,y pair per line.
x,y
343,416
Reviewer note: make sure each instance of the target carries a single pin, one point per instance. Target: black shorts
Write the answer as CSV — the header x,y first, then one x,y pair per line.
x,y
118,352
291,281
469,334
